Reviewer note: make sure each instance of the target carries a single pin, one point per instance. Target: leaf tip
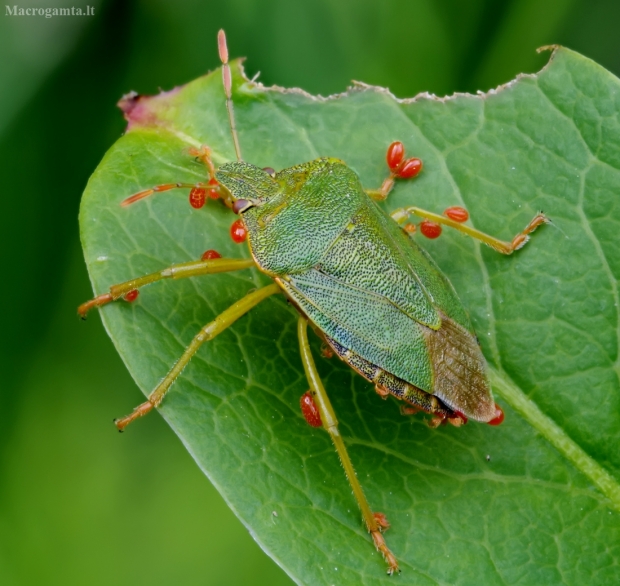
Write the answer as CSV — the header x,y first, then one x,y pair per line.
x,y
140,110
133,107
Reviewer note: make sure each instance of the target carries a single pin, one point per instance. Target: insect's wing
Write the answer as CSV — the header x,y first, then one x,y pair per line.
x,y
375,255
364,322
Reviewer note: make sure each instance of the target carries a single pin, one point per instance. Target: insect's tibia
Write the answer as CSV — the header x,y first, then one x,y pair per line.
x,y
227,81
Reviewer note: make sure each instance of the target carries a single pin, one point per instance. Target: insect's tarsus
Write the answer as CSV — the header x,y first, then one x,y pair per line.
x,y
227,81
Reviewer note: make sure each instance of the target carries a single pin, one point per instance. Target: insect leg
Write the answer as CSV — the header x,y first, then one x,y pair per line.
x,y
178,271
401,215
208,332
374,521
198,190
159,188
382,193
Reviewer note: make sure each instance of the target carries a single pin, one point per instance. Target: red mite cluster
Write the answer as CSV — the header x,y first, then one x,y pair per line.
x,y
310,411
198,195
404,169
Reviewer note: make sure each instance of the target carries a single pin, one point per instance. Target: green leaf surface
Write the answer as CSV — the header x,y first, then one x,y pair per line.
x,y
533,501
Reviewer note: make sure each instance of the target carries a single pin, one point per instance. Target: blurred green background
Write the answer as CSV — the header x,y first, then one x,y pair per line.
x,y
80,503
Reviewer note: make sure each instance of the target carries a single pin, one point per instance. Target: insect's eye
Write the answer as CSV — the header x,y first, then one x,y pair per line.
x,y
241,205
271,172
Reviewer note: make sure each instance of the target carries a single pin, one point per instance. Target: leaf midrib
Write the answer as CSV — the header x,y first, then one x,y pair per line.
x,y
556,436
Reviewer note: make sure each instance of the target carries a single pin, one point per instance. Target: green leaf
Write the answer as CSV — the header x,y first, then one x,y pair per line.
x,y
534,501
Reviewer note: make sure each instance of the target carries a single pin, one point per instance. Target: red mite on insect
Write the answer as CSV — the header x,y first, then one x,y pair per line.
x,y
213,191
457,213
131,296
395,156
197,197
309,410
210,255
430,229
499,416
238,231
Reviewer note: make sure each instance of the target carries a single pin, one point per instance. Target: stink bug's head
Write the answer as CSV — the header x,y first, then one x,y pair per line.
x,y
248,185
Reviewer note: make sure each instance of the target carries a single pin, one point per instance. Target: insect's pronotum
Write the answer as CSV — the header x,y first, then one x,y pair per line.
x,y
373,296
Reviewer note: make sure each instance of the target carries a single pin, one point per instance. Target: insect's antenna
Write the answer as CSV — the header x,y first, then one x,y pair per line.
x,y
227,80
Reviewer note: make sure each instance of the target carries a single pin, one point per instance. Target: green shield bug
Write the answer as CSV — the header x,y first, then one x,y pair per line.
x,y
373,296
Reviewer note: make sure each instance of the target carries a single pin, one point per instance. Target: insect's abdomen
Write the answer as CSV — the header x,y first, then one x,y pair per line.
x,y
387,383
460,380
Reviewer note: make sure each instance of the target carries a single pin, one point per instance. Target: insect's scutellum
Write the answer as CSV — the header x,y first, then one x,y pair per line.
x,y
425,304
